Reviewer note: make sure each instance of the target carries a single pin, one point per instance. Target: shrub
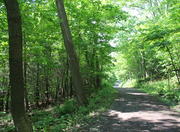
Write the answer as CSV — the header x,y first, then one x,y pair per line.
x,y
164,89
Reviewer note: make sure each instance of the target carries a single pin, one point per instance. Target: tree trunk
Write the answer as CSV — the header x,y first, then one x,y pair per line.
x,y
173,64
37,95
98,78
2,101
57,90
47,89
25,76
7,101
26,98
73,61
20,119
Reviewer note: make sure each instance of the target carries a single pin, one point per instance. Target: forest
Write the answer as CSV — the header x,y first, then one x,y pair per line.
x,y
59,59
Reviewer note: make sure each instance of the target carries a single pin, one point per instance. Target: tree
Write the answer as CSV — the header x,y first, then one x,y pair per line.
x,y
73,60
20,119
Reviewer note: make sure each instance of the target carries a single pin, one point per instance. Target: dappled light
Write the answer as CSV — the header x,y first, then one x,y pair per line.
x,y
89,66
137,113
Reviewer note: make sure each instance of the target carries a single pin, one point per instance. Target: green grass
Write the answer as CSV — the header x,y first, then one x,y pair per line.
x,y
68,115
168,91
6,124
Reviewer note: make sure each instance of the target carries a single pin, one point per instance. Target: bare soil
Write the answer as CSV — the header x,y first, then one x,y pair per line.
x,y
135,111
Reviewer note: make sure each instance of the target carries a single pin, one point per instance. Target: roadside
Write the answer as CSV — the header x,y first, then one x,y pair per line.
x,y
135,111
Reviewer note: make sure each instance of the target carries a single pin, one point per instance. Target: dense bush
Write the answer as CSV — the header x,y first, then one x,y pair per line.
x,y
165,89
66,116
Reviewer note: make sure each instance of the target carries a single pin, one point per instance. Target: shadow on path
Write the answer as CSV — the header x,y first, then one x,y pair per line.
x,y
135,111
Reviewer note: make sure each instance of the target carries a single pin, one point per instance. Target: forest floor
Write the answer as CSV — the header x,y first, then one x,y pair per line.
x,y
135,111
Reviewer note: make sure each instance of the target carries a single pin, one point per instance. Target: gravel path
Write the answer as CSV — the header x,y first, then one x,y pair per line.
x,y
135,111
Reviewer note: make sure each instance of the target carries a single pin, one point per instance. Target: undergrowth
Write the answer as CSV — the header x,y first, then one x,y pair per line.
x,y
69,116
167,90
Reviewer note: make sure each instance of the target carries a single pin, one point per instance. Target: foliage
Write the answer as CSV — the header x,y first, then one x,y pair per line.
x,y
69,114
125,40
150,50
165,89
6,124
47,74
69,106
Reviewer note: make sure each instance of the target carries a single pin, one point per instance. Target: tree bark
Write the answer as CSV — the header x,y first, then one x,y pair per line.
x,y
98,78
73,61
47,89
20,119
36,94
25,64
57,89
7,101
173,64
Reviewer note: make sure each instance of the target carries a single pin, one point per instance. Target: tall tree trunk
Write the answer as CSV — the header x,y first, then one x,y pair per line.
x,y
25,75
144,65
71,87
57,89
7,101
26,99
47,89
20,119
2,101
98,78
73,61
173,64
36,94
62,85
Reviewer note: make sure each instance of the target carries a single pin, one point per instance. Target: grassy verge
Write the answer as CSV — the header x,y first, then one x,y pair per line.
x,y
168,92
69,115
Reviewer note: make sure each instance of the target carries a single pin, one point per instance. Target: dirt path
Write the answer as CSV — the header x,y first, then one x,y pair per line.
x,y
135,111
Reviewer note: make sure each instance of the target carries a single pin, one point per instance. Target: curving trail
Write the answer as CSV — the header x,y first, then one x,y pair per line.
x,y
135,111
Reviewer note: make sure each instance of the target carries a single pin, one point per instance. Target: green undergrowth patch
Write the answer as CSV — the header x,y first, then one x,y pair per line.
x,y
68,116
6,123
168,91
129,83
